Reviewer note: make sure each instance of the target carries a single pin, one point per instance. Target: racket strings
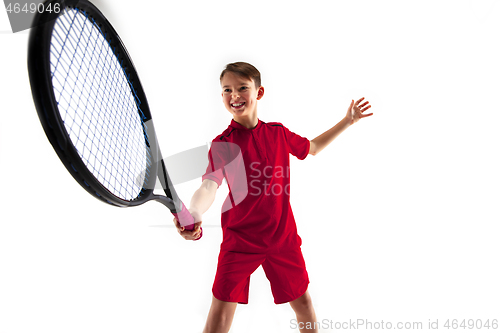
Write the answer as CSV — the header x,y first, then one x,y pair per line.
x,y
98,106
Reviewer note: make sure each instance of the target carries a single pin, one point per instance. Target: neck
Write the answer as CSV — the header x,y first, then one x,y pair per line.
x,y
248,122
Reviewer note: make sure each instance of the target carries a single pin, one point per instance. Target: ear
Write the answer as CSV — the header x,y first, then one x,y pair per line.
x,y
260,92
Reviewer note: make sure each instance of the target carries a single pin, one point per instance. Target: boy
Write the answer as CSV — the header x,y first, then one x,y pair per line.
x,y
257,221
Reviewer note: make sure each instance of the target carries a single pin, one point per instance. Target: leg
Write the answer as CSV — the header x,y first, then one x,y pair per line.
x,y
305,313
220,316
232,281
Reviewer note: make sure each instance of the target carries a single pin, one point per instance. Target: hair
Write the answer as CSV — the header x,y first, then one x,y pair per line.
x,y
243,69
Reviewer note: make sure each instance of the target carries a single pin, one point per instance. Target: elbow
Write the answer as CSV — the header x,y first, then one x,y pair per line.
x,y
209,185
313,148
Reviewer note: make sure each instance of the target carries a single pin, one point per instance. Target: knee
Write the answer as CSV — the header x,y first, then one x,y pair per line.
x,y
303,303
220,316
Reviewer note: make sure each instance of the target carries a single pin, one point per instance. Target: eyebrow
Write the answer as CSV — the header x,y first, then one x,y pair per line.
x,y
241,84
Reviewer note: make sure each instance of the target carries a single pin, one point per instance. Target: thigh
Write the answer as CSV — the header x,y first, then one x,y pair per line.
x,y
232,280
286,271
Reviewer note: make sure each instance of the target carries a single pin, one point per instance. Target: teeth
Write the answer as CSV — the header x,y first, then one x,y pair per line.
x,y
239,104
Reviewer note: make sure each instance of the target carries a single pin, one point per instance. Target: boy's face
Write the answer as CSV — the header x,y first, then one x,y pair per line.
x,y
240,96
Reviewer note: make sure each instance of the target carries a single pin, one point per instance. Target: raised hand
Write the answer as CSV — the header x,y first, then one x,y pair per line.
x,y
355,111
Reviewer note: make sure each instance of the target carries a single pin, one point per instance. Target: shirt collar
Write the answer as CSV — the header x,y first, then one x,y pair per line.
x,y
239,126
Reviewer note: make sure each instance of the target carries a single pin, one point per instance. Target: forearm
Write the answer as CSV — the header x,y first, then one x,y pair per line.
x,y
319,143
203,198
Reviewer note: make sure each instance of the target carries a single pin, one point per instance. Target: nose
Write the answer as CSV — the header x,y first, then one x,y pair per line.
x,y
235,95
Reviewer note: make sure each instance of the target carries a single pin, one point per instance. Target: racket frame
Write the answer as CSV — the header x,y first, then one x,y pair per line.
x,y
46,105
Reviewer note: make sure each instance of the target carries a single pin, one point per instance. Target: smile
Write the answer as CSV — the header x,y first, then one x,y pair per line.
x,y
237,105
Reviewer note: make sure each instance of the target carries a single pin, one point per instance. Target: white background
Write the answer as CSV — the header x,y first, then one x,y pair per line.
x,y
399,215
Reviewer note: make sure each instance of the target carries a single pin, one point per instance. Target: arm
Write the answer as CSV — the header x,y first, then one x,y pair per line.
x,y
354,114
323,140
200,202
203,198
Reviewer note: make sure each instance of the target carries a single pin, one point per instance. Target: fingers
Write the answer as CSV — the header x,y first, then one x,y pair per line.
x,y
350,106
197,226
360,106
178,225
363,107
359,100
197,230
356,110
197,234
369,106
191,234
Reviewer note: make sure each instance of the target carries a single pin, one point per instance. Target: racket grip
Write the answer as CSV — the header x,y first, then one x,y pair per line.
x,y
185,219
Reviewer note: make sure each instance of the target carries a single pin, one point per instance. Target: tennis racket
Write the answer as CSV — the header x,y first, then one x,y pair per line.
x,y
93,108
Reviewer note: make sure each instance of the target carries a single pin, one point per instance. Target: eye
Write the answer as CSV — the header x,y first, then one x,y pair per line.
x,y
243,88
227,90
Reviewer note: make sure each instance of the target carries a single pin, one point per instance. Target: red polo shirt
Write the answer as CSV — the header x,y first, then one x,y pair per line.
x,y
256,215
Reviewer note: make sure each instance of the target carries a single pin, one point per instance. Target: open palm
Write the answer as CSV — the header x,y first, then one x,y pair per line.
x,y
355,110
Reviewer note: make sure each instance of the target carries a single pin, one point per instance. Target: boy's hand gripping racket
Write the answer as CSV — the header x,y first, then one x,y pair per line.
x,y
94,110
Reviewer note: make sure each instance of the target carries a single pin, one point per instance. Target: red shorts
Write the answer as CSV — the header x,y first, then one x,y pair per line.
x,y
286,271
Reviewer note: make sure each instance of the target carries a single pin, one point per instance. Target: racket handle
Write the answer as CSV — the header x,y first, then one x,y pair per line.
x,y
185,219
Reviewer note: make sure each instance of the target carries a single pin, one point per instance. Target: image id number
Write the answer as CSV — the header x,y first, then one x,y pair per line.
x,y
32,8
471,324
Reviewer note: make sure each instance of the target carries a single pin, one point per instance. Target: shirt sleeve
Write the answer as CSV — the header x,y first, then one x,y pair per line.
x,y
224,161
298,146
216,163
